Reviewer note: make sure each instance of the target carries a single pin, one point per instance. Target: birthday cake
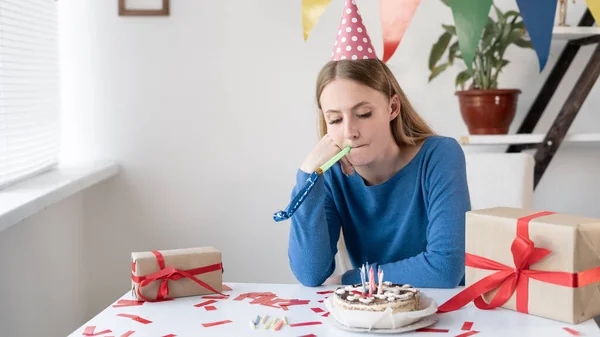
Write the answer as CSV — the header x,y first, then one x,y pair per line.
x,y
370,296
397,297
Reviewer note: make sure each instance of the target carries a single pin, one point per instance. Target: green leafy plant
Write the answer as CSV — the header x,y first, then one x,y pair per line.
x,y
489,59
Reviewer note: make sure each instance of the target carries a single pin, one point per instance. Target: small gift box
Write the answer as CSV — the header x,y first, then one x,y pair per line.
x,y
541,263
158,275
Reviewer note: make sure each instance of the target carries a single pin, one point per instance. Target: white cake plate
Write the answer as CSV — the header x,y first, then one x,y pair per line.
x,y
422,323
386,320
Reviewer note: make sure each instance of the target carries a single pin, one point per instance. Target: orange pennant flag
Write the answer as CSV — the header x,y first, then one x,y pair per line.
x,y
395,18
311,12
594,6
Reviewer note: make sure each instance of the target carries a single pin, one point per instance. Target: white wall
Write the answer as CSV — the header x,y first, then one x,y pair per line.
x,y
210,112
43,276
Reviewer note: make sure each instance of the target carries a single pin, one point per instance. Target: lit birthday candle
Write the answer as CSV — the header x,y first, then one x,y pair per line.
x,y
380,277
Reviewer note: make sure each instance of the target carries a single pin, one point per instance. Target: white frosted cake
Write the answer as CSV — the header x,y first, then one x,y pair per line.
x,y
397,297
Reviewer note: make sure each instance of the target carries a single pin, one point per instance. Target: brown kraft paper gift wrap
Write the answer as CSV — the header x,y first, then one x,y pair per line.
x,y
158,275
541,263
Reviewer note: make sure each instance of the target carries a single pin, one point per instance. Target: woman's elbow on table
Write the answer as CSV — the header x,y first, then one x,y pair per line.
x,y
310,278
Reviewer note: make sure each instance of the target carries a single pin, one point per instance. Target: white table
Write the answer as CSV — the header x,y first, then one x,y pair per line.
x,y
181,318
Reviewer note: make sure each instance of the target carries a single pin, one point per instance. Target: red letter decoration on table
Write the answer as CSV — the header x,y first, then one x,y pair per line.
x,y
208,325
509,280
467,334
89,331
187,277
205,303
395,18
136,318
127,303
305,324
571,331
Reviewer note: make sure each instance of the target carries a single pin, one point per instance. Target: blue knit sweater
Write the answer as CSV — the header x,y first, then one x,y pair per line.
x,y
412,226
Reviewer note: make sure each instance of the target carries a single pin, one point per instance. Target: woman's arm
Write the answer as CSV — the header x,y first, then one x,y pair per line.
x,y
314,232
441,265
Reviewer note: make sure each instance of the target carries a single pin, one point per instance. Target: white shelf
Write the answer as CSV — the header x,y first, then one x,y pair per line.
x,y
523,139
573,32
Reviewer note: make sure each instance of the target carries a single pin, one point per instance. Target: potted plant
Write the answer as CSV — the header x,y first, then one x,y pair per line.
x,y
484,107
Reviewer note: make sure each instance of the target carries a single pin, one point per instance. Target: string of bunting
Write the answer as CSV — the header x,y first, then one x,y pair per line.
x,y
469,16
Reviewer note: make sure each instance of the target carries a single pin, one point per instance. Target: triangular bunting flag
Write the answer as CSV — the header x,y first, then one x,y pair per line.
x,y
395,18
470,18
594,6
311,12
538,16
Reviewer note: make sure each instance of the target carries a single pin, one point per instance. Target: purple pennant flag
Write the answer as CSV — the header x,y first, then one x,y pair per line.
x,y
538,16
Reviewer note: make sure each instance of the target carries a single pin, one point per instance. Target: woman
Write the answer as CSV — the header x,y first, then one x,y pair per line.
x,y
399,196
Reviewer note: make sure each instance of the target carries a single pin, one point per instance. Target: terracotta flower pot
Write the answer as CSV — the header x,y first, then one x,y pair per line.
x,y
488,111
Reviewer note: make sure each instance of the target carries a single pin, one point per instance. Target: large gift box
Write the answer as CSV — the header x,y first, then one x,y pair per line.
x,y
158,275
541,263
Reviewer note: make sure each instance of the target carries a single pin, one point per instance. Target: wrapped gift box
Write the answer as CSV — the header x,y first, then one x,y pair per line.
x,y
567,246
157,275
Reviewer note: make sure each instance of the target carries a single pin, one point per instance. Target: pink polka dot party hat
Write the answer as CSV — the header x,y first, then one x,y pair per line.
x,y
352,42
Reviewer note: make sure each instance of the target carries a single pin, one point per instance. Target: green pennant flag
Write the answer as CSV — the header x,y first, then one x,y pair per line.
x,y
470,18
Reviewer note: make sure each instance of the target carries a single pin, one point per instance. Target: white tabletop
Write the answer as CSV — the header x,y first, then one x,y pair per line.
x,y
180,317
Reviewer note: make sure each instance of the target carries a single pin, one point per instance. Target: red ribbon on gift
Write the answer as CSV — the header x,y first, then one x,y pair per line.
x,y
511,279
171,273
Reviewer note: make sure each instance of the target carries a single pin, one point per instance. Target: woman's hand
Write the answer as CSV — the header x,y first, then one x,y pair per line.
x,y
321,153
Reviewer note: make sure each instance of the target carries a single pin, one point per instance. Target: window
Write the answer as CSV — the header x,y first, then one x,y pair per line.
x,y
29,88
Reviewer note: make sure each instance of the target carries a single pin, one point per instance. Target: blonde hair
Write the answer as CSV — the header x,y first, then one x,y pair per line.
x,y
407,128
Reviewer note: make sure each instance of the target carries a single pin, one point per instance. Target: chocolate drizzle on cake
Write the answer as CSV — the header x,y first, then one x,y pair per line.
x,y
398,297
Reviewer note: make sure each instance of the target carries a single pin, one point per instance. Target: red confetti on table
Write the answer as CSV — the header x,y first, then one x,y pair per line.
x,y
571,331
320,301
89,331
127,303
325,292
304,324
135,318
210,308
170,335
309,335
205,303
431,330
208,325
317,310
295,302
466,334
467,326
284,307
216,297
326,314
226,287
128,333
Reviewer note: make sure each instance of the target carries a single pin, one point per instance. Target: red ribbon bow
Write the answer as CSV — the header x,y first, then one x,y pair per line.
x,y
508,279
171,273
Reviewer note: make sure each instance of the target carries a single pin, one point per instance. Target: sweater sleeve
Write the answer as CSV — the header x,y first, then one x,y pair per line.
x,y
314,232
442,263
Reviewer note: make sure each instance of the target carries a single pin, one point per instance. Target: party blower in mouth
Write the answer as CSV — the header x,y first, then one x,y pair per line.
x,y
310,182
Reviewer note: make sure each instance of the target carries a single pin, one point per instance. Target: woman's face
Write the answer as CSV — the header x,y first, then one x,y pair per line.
x,y
358,116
